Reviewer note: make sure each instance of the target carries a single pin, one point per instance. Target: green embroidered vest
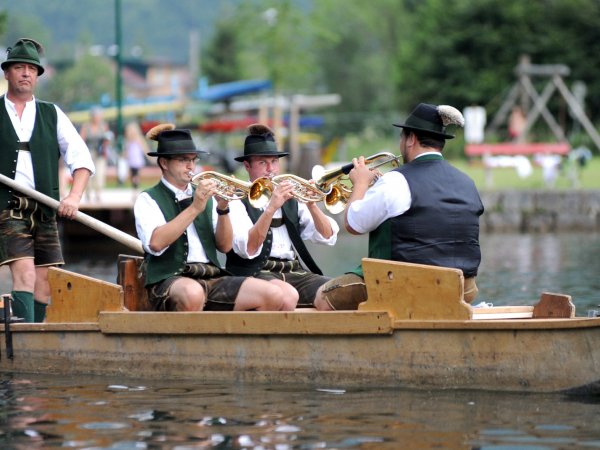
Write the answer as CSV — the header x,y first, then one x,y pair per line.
x,y
44,149
173,260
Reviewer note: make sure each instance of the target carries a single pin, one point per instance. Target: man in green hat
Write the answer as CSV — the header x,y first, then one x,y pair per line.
x,y
33,136
268,242
424,212
181,227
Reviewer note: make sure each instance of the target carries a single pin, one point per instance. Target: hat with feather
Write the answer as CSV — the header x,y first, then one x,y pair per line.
x,y
433,120
260,142
27,51
172,141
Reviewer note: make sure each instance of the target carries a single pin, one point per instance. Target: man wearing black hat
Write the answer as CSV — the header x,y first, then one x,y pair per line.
x,y
33,135
424,212
268,242
181,229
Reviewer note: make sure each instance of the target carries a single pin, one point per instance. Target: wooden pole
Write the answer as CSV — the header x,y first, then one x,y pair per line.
x,y
107,230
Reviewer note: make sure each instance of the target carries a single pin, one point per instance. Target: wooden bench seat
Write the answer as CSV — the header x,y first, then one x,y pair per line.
x,y
421,292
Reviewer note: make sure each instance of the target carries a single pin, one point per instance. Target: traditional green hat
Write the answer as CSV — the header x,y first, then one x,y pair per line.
x,y
260,142
24,51
433,120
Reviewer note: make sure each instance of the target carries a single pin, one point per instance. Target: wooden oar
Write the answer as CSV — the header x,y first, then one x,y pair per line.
x,y
111,232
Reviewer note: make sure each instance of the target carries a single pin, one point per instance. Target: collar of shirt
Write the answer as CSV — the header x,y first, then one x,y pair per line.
x,y
24,125
179,194
429,154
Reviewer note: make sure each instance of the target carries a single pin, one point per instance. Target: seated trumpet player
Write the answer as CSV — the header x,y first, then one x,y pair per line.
x,y
424,212
181,228
268,242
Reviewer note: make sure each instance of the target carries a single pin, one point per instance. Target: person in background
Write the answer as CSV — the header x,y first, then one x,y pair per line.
x,y
97,137
181,228
516,124
424,212
33,136
268,243
135,150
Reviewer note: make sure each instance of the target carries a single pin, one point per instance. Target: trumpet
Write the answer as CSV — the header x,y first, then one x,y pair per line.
x,y
332,183
228,188
302,190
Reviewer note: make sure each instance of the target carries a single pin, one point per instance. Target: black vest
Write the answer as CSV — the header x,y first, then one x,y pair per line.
x,y
441,227
251,267
44,149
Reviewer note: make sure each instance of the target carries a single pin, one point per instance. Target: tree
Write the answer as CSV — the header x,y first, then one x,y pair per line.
x,y
220,58
357,56
3,17
463,52
83,83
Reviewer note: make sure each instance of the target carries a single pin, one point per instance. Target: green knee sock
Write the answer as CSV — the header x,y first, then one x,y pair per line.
x,y
39,310
22,305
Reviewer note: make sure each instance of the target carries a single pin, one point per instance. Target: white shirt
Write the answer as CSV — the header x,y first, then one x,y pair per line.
x,y
72,147
148,217
389,197
282,244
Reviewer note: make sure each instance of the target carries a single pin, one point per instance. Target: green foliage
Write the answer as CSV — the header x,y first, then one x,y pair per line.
x,y
272,40
358,49
464,52
3,17
383,56
85,82
220,61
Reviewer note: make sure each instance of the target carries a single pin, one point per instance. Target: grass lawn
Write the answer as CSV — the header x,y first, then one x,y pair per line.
x,y
569,177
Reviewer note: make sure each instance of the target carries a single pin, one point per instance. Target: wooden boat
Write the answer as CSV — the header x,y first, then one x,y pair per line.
x,y
415,331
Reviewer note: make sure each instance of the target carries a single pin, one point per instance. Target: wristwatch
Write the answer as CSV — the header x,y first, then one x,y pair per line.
x,y
223,212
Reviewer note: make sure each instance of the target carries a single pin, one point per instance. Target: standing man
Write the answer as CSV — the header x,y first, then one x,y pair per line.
x,y
424,212
268,243
33,136
181,229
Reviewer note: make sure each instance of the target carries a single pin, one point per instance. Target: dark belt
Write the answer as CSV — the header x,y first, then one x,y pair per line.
x,y
276,223
24,146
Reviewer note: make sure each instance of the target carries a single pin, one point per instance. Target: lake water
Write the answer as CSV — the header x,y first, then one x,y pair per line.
x,y
39,412
98,413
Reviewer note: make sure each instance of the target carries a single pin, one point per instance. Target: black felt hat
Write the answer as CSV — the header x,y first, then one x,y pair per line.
x,y
172,141
27,51
260,142
433,120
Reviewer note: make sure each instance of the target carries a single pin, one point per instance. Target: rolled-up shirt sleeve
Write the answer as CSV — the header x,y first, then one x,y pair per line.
x,y
241,223
389,197
72,147
309,231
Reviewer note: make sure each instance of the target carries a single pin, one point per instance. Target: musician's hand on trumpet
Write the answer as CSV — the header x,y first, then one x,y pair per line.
x,y
362,176
282,192
204,190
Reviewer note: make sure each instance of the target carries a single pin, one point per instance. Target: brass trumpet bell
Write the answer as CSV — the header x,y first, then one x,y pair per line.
x,y
332,182
260,192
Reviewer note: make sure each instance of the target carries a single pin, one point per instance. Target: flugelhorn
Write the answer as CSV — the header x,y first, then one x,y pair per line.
x,y
230,188
302,190
331,182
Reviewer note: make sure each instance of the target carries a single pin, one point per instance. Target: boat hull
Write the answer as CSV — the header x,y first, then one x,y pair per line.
x,y
560,356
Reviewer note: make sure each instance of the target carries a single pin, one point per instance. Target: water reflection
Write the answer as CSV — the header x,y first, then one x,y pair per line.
x,y
46,412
